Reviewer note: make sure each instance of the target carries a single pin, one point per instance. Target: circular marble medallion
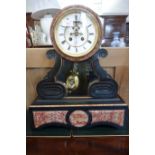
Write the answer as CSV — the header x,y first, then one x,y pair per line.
x,y
79,118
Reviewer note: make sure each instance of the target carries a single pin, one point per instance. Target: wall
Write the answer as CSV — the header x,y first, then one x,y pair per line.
x,y
102,7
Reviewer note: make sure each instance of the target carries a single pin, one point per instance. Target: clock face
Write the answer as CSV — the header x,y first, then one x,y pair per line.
x,y
76,33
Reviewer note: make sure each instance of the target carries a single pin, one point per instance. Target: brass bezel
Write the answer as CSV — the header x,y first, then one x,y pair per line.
x,y
98,27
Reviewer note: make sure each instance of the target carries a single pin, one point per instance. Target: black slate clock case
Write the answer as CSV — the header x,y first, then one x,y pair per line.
x,y
95,97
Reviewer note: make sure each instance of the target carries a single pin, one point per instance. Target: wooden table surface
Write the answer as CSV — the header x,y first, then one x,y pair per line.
x,y
110,145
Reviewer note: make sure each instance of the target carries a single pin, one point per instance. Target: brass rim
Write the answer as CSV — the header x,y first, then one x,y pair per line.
x,y
98,27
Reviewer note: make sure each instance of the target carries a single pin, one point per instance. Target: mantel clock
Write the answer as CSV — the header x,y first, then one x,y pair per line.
x,y
77,91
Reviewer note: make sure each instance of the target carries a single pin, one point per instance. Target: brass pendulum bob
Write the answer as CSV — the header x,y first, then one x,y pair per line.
x,y
72,81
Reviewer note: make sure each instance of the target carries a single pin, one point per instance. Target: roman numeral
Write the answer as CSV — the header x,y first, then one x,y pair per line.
x,y
69,47
76,49
89,41
61,34
76,17
89,25
63,26
91,34
63,41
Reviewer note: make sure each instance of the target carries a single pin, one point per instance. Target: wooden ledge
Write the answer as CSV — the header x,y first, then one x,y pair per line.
x,y
36,58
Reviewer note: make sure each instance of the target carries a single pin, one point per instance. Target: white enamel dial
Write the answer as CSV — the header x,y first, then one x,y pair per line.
x,y
76,33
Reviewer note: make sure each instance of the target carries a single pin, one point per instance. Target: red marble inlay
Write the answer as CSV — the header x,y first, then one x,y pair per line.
x,y
78,118
44,117
113,116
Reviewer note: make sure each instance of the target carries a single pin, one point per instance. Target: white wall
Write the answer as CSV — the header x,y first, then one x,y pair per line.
x,y
105,7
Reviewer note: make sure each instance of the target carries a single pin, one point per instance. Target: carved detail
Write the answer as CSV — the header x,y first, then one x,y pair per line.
x,y
103,86
99,83
52,86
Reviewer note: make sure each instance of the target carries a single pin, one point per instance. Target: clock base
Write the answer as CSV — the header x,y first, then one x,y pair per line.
x,y
95,103
79,113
